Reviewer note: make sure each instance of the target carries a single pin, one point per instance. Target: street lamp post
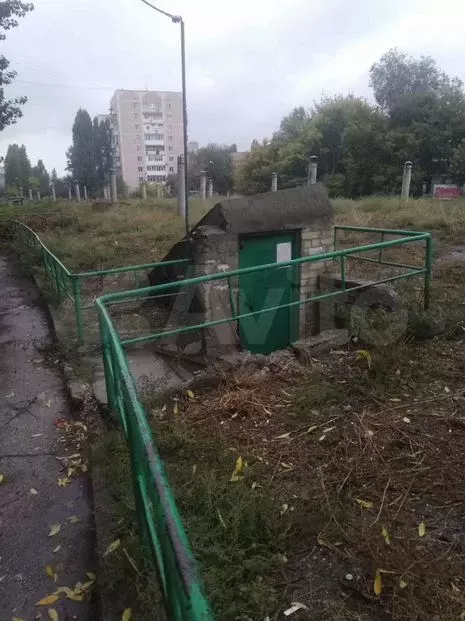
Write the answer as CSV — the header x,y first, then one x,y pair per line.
x,y
177,19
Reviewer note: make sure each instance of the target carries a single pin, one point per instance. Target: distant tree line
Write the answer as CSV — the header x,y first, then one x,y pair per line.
x,y
419,115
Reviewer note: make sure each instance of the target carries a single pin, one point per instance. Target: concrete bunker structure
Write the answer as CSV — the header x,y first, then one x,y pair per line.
x,y
267,228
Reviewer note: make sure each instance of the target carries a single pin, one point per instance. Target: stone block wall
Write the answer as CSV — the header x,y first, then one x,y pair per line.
x,y
313,242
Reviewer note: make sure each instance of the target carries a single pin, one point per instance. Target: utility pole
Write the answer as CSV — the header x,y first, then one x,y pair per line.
x,y
177,19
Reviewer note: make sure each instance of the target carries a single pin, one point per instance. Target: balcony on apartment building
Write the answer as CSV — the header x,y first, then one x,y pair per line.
x,y
155,139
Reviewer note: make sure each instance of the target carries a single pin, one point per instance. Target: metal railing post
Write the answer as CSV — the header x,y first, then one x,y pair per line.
x,y
76,284
428,272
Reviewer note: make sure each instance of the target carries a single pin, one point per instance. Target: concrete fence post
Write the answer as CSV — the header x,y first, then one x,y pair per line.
x,y
181,187
312,169
30,194
274,182
38,196
406,179
77,192
85,193
54,195
144,192
210,188
158,190
113,189
70,197
203,185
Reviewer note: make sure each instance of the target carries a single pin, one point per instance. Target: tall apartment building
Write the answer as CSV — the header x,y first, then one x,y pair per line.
x,y
148,134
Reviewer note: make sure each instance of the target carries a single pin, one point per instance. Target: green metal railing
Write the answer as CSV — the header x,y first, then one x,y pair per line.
x,y
160,524
69,284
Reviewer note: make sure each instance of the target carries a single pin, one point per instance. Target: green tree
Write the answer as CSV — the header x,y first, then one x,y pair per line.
x,y
103,151
42,179
216,160
82,153
255,173
17,167
10,109
397,78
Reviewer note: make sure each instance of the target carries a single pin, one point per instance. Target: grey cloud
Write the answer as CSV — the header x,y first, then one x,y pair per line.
x,y
249,63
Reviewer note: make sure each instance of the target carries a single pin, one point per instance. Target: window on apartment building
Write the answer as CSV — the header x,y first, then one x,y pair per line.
x,y
147,126
168,106
118,159
135,105
170,148
141,179
155,158
136,116
171,158
137,136
139,159
140,169
170,137
171,168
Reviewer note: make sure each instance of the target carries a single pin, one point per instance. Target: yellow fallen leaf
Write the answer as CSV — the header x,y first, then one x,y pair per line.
x,y
2,478
385,533
54,530
70,594
47,601
238,472
365,504
63,482
190,394
378,585
55,550
222,522
87,585
34,492
175,408
283,436
52,614
311,428
127,615
403,584
91,575
364,353
50,572
112,547
17,619
49,403
73,519
194,469
421,529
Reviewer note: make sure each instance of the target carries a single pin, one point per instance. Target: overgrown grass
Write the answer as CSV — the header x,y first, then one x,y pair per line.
x,y
90,237
445,218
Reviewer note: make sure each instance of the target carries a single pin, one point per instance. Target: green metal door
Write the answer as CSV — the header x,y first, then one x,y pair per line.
x,y
268,331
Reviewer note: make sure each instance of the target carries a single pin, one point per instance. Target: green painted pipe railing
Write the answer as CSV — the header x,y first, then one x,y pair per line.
x,y
69,284
160,525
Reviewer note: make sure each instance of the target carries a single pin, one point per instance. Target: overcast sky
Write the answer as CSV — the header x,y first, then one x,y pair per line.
x,y
249,62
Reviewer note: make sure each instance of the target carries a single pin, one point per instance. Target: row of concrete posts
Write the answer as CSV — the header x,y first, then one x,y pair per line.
x,y
313,168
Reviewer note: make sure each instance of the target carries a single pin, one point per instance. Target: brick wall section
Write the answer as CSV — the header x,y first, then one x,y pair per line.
x,y
312,242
